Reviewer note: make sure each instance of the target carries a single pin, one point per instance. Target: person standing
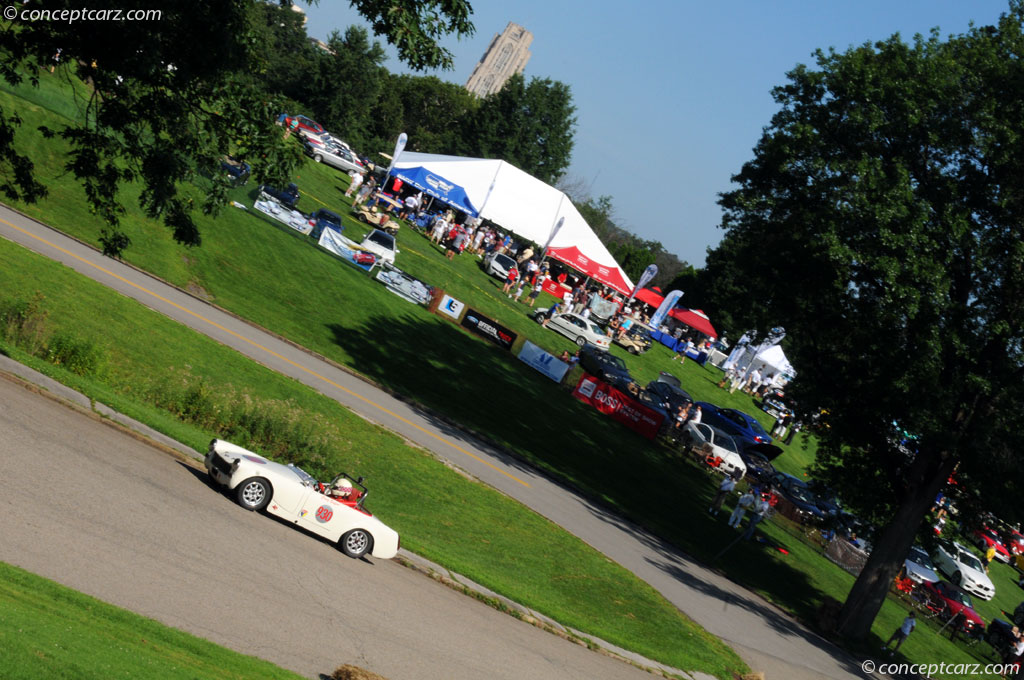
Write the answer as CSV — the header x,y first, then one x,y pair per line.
x,y
364,192
695,414
745,502
902,633
525,255
552,311
760,510
538,286
510,278
724,489
357,179
796,427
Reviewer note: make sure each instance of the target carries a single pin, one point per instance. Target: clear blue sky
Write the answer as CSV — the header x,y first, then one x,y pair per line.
x,y
672,96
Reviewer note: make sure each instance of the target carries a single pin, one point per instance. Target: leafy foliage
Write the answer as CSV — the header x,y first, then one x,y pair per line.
x,y
880,222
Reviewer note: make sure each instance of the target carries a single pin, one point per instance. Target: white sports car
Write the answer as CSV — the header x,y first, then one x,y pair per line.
x,y
334,511
963,568
716,448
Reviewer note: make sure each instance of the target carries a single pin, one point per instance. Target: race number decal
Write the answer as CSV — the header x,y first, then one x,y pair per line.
x,y
324,514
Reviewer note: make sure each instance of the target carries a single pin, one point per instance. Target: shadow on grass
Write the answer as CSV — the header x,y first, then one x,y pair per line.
x,y
623,476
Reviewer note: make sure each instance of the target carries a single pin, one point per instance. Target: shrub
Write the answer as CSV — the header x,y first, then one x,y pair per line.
x,y
82,357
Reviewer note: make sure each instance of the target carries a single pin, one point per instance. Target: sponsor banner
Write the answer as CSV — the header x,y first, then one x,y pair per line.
x,y
534,356
403,285
450,307
342,247
619,405
492,330
555,288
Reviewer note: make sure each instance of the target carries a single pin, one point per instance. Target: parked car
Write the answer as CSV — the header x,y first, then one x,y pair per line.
x,y
636,340
605,366
985,538
335,156
324,219
963,568
918,566
956,602
305,125
1013,540
775,407
288,197
714,445
743,428
759,468
578,329
795,491
667,397
498,264
381,244
236,171
334,511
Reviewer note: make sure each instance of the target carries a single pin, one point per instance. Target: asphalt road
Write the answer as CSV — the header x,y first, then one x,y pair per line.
x,y
765,638
94,509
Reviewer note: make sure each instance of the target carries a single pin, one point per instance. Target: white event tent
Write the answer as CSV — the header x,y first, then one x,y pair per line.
x,y
526,206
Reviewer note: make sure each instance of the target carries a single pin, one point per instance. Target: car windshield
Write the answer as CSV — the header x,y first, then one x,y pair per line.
x,y
970,560
801,492
381,239
504,261
960,596
611,358
303,476
329,217
918,556
724,441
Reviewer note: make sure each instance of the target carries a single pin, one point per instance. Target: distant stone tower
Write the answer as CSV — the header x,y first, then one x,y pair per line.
x,y
506,55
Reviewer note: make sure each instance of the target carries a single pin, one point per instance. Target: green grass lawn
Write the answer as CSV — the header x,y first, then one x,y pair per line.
x,y
49,631
478,531
279,279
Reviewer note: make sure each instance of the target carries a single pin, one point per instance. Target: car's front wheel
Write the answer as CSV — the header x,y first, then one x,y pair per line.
x,y
317,157
581,341
958,578
253,493
355,543
633,350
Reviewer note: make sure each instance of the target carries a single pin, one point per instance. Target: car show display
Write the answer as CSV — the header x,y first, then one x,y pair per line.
x,y
619,405
332,510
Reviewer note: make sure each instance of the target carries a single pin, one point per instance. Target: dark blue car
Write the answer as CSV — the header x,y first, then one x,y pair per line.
x,y
288,197
796,492
743,428
324,219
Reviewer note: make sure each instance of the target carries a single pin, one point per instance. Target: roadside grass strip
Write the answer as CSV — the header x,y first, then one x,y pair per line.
x,y
49,631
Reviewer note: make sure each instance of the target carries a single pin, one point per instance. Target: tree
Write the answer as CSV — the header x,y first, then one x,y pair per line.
x,y
881,222
169,96
528,125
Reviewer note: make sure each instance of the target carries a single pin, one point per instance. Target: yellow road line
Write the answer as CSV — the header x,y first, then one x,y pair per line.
x,y
268,351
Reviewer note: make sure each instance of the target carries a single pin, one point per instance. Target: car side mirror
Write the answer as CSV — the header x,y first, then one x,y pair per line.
x,y
360,480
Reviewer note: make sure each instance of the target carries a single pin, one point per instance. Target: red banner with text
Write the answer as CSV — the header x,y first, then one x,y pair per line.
x,y
619,405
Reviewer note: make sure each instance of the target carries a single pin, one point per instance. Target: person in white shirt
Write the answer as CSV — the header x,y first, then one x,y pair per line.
x,y
903,632
724,489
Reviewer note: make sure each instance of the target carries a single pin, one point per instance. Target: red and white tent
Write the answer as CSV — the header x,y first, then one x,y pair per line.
x,y
527,207
695,319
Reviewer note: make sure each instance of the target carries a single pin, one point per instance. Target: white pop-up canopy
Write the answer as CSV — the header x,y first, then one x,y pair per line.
x,y
526,206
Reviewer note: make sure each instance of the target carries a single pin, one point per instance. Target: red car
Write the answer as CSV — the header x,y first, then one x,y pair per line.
x,y
1014,541
957,602
304,124
985,538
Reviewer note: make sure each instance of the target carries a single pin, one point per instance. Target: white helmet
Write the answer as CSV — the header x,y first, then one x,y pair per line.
x,y
341,488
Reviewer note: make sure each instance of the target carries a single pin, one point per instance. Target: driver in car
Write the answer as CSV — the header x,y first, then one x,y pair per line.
x,y
341,489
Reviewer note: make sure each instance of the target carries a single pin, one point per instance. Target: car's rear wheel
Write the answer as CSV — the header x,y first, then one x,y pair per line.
x,y
355,543
581,341
633,350
958,578
253,493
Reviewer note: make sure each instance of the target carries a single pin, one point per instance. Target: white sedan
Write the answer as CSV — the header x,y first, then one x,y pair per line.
x,y
334,511
576,328
381,244
716,448
963,568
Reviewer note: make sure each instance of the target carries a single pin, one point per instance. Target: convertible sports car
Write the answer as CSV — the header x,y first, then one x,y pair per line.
x,y
334,511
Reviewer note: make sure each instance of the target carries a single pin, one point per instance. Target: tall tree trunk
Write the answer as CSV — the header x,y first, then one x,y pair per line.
x,y
925,478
